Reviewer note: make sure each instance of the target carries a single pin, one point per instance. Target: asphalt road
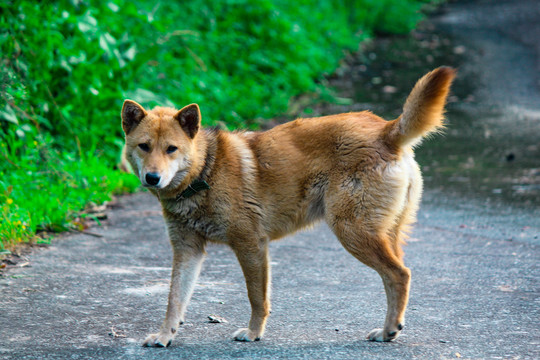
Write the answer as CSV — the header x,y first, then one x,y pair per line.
x,y
475,290
474,293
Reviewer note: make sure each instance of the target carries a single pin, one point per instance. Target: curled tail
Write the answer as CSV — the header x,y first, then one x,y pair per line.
x,y
423,111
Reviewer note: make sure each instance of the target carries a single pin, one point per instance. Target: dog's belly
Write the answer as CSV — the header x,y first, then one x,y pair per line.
x,y
376,195
296,210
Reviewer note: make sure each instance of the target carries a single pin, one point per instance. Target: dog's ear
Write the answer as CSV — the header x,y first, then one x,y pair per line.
x,y
132,114
189,118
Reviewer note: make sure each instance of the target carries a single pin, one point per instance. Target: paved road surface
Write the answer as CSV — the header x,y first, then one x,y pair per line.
x,y
474,293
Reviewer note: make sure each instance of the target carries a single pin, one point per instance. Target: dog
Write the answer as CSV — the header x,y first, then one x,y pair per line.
x,y
354,170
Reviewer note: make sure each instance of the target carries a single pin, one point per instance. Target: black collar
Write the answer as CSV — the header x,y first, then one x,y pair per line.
x,y
193,188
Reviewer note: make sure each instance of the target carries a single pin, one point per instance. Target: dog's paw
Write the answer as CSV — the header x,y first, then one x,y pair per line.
x,y
380,335
246,335
158,340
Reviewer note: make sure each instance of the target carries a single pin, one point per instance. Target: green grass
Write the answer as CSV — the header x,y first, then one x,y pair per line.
x,y
46,187
66,67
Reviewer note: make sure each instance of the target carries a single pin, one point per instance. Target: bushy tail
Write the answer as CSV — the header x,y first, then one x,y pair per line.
x,y
423,111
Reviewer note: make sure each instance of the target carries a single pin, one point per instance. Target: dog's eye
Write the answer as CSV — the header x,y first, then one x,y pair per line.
x,y
144,147
171,149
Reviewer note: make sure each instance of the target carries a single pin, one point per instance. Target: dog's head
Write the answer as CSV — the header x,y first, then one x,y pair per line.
x,y
160,143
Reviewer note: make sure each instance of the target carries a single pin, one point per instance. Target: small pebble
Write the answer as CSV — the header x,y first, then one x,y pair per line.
x,y
214,319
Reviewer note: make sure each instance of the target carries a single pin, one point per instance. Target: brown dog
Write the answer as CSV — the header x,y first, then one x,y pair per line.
x,y
356,171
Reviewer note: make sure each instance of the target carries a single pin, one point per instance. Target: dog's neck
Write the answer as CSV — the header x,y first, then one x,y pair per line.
x,y
201,167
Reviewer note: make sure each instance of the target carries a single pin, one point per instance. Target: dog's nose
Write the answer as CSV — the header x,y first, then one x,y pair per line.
x,y
152,178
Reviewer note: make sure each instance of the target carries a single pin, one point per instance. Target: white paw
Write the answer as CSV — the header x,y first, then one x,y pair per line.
x,y
246,335
158,340
380,335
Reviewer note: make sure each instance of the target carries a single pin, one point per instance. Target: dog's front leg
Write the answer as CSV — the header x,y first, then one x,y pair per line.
x,y
187,261
254,260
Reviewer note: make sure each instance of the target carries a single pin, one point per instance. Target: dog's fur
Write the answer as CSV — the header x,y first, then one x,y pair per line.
x,y
355,170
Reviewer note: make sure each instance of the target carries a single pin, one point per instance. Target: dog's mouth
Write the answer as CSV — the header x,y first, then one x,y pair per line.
x,y
148,186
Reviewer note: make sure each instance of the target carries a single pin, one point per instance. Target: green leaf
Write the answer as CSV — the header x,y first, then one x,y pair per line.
x,y
148,97
9,115
113,7
130,53
88,23
104,45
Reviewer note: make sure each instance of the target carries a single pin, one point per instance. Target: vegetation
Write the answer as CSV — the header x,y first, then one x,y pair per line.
x,y
66,67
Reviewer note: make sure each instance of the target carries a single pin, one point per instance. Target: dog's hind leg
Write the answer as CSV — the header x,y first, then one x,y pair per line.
x,y
375,250
255,263
187,261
